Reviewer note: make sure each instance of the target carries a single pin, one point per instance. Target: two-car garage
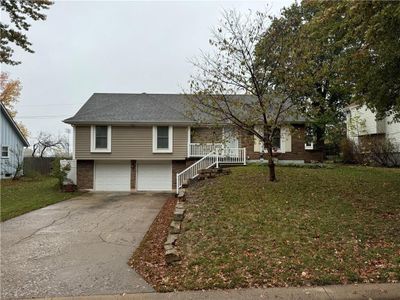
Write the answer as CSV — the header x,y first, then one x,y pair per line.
x,y
117,176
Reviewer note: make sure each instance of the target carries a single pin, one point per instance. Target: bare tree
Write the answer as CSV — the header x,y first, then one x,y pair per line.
x,y
46,142
15,163
232,85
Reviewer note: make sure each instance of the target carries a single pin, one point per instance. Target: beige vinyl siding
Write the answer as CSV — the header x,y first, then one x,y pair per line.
x,y
131,142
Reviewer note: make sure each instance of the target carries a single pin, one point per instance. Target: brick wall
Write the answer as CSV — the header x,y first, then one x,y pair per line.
x,y
298,152
206,135
247,141
133,174
84,174
177,166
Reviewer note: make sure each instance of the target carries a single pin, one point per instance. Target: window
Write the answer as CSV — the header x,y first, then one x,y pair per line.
x,y
276,139
101,138
4,151
309,139
162,139
276,142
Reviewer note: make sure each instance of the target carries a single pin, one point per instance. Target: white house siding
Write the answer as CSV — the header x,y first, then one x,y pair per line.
x,y
393,131
367,125
362,122
11,139
71,174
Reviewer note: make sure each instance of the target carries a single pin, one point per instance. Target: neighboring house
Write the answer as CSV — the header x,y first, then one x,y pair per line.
x,y
12,144
362,126
125,142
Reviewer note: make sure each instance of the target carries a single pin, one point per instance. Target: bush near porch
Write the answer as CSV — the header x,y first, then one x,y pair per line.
x,y
312,227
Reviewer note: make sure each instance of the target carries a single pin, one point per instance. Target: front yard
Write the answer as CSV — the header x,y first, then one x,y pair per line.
x,y
313,227
21,196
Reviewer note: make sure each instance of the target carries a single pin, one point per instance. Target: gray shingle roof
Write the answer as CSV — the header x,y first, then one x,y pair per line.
x,y
115,108
132,108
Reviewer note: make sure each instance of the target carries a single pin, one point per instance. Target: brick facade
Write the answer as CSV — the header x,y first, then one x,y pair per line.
x,y
84,174
298,151
206,135
246,140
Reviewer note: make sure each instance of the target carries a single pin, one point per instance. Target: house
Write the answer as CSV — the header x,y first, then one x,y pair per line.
x,y
145,142
363,126
12,144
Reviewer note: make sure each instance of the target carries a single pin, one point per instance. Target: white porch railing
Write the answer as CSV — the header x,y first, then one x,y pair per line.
x,y
232,156
192,171
213,158
200,150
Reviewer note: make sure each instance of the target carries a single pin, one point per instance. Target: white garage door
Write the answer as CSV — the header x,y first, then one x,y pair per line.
x,y
154,176
112,176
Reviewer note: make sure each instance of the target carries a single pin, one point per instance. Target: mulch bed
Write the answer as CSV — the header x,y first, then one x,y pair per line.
x,y
149,258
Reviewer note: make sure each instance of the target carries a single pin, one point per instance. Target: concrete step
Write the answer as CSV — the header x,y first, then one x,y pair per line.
x,y
185,183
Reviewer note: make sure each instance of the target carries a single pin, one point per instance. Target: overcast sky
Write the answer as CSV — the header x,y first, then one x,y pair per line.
x,y
106,46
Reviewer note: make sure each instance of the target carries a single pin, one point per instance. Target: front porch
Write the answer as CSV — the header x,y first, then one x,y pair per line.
x,y
223,153
211,155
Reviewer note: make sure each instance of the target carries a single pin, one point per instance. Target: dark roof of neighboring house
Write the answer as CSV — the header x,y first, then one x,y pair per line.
x,y
14,125
116,108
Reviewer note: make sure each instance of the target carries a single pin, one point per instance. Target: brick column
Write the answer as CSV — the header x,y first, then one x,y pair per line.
x,y
84,174
177,166
133,174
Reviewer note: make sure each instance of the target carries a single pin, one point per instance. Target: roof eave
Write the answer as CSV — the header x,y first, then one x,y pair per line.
x,y
72,122
19,132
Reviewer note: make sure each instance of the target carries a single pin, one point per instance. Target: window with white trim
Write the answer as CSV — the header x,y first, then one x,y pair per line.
x,y
100,138
4,151
309,139
276,142
162,139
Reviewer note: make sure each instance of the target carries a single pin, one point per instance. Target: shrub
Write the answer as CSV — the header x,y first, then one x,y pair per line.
x,y
60,172
382,152
350,152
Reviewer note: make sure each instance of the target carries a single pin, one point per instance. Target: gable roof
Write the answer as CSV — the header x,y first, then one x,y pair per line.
x,y
117,108
131,108
14,125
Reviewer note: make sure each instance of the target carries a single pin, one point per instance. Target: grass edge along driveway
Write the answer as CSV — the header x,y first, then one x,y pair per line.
x,y
27,194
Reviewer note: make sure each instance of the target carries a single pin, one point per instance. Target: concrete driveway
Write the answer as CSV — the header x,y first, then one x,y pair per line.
x,y
77,247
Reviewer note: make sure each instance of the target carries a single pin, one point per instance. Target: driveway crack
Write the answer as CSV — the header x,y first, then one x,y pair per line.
x,y
326,292
41,228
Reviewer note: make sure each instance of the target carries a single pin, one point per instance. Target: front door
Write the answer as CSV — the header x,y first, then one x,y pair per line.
x,y
231,142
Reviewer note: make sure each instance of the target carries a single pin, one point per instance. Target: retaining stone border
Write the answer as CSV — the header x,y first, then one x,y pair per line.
x,y
171,252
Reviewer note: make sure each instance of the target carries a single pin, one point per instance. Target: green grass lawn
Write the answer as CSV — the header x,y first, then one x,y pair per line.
x,y
312,227
26,194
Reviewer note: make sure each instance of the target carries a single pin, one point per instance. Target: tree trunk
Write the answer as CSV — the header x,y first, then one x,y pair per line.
x,y
320,138
271,163
271,166
42,152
